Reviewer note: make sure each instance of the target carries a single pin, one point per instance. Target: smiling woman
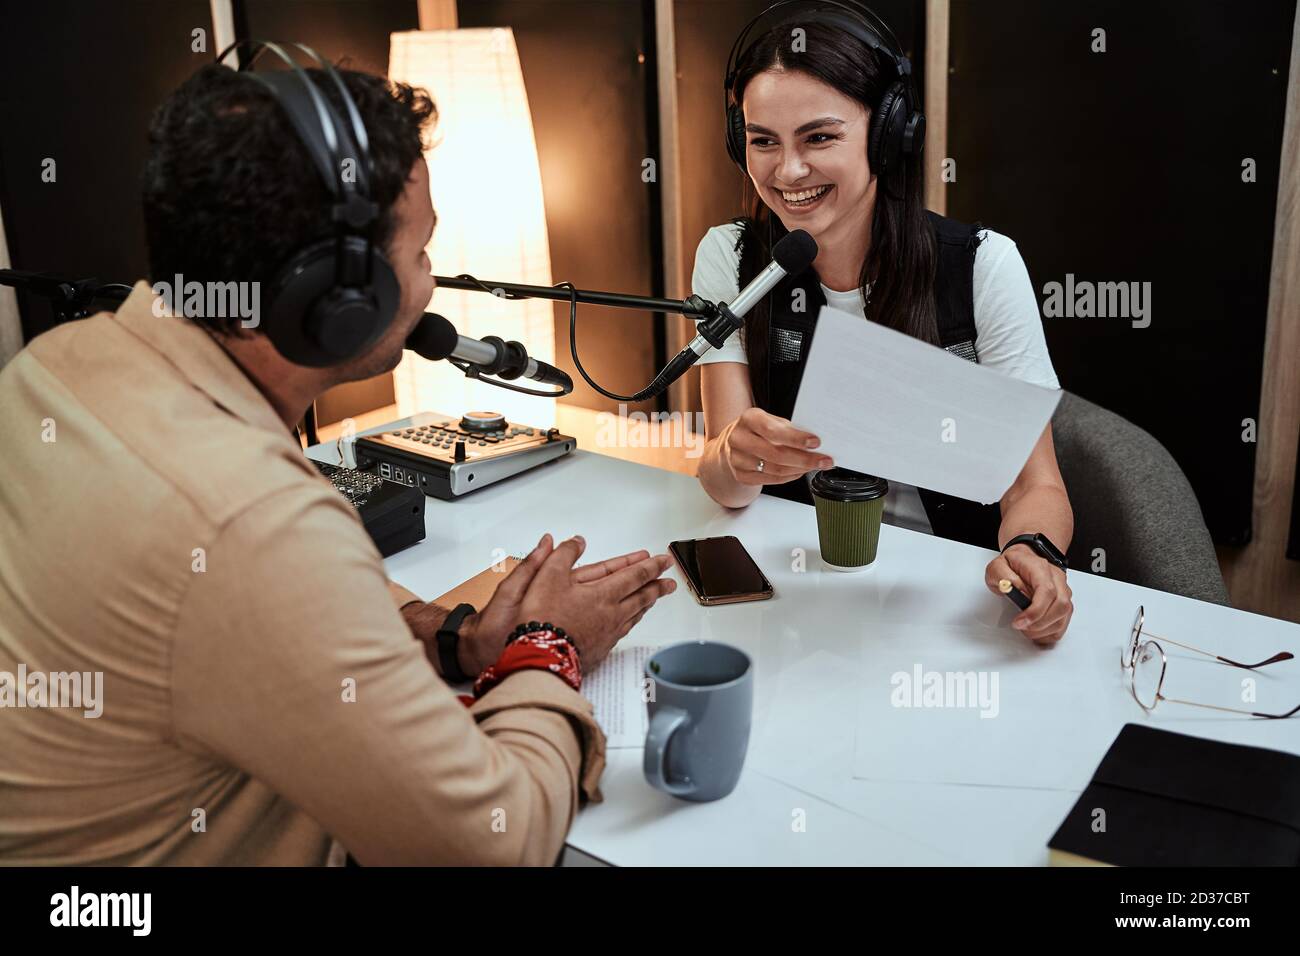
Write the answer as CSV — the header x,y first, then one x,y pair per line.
x,y
823,120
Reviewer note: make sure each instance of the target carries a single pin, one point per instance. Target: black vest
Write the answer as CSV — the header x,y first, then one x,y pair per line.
x,y
789,337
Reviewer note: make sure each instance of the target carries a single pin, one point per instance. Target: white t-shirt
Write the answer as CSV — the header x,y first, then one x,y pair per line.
x,y
1009,331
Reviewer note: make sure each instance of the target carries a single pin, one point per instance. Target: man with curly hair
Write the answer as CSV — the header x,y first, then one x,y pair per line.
x,y
264,694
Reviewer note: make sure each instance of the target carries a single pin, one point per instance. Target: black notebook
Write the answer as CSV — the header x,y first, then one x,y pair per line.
x,y
1166,799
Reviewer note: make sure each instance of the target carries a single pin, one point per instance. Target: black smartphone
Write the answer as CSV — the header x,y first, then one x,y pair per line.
x,y
720,570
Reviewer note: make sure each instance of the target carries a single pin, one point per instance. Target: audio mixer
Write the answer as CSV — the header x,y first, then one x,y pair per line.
x,y
448,457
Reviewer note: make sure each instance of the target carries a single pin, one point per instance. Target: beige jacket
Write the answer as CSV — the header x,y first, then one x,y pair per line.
x,y
261,692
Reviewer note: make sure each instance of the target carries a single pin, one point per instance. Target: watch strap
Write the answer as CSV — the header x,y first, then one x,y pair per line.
x,y
448,641
1042,546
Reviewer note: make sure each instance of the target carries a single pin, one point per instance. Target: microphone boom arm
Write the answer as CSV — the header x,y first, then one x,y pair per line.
x,y
694,307
719,320
791,255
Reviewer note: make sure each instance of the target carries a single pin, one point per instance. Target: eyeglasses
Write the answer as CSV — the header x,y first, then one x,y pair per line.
x,y
1144,659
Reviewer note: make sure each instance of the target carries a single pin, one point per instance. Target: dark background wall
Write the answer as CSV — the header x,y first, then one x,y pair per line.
x,y
355,34
1126,166
80,81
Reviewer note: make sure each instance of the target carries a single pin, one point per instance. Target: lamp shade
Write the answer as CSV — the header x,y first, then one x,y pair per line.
x,y
487,191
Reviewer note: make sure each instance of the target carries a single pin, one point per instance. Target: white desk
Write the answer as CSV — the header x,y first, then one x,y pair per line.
x,y
806,643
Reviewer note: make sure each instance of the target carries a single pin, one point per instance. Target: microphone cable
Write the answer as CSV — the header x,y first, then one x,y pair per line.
x,y
648,392
471,371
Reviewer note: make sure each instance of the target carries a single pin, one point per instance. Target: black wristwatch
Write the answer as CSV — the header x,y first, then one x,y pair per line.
x,y
1040,544
448,640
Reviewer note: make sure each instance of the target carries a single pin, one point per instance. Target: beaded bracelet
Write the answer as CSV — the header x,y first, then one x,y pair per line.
x,y
533,627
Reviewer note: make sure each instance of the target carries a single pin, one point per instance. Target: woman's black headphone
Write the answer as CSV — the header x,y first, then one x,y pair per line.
x,y
897,126
334,299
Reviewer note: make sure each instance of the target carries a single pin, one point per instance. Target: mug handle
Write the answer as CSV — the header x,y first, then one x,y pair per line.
x,y
666,722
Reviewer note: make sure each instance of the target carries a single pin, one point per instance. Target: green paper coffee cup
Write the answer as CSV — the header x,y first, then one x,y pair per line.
x,y
849,508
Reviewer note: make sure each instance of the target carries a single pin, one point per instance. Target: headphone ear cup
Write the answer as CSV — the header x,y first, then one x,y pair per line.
x,y
885,143
350,320
313,321
914,135
736,136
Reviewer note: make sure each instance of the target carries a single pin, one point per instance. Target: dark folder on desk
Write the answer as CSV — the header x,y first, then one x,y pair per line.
x,y
1166,799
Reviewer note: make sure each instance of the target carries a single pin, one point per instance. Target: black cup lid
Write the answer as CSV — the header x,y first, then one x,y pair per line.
x,y
840,484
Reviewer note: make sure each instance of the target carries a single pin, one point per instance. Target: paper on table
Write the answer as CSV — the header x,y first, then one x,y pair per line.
x,y
969,704
977,705
890,405
614,689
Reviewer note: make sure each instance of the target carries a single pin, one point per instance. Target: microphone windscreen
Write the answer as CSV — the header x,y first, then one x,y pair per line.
x,y
795,252
433,337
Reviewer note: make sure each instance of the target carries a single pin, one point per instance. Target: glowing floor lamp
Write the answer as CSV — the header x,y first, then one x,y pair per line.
x,y
487,190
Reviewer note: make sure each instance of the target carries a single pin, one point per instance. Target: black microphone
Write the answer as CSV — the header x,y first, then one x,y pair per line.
x,y
436,339
792,254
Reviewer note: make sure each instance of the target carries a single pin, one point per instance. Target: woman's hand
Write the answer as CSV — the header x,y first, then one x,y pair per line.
x,y
758,437
1052,605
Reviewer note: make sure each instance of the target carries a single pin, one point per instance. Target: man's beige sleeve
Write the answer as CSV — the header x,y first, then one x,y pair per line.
x,y
293,664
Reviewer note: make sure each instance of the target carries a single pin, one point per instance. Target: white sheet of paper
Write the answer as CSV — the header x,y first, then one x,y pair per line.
x,y
614,689
889,405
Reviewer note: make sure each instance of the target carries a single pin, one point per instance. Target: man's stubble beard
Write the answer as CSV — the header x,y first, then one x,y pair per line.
x,y
385,356
374,364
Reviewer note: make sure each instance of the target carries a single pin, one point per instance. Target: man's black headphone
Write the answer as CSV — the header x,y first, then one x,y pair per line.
x,y
897,127
333,299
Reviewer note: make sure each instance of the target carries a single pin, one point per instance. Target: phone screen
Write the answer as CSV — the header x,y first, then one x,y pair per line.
x,y
719,568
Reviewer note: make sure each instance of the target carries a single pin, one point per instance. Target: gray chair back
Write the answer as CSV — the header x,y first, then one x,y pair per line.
x,y
1131,500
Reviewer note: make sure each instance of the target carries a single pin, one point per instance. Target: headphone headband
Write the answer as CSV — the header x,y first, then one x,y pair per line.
x,y
334,298
874,32
319,128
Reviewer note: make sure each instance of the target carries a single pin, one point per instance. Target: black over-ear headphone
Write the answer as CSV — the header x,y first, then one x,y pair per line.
x,y
333,299
897,126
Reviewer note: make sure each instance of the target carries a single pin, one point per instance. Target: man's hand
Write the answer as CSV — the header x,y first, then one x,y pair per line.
x,y
1048,615
590,606
596,604
482,635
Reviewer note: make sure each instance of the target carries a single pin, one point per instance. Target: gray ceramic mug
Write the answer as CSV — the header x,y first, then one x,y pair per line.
x,y
699,719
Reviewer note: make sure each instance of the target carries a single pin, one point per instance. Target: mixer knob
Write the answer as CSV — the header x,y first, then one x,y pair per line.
x,y
483,421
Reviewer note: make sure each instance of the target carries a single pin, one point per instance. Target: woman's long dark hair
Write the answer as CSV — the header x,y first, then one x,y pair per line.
x,y
901,261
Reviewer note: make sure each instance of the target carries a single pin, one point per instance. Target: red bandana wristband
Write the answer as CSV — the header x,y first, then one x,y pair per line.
x,y
534,650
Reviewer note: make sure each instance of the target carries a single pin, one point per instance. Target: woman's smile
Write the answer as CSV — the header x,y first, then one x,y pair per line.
x,y
800,201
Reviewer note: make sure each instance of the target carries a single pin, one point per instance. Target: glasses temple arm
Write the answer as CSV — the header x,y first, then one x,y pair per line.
x,y
1280,656
1233,710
